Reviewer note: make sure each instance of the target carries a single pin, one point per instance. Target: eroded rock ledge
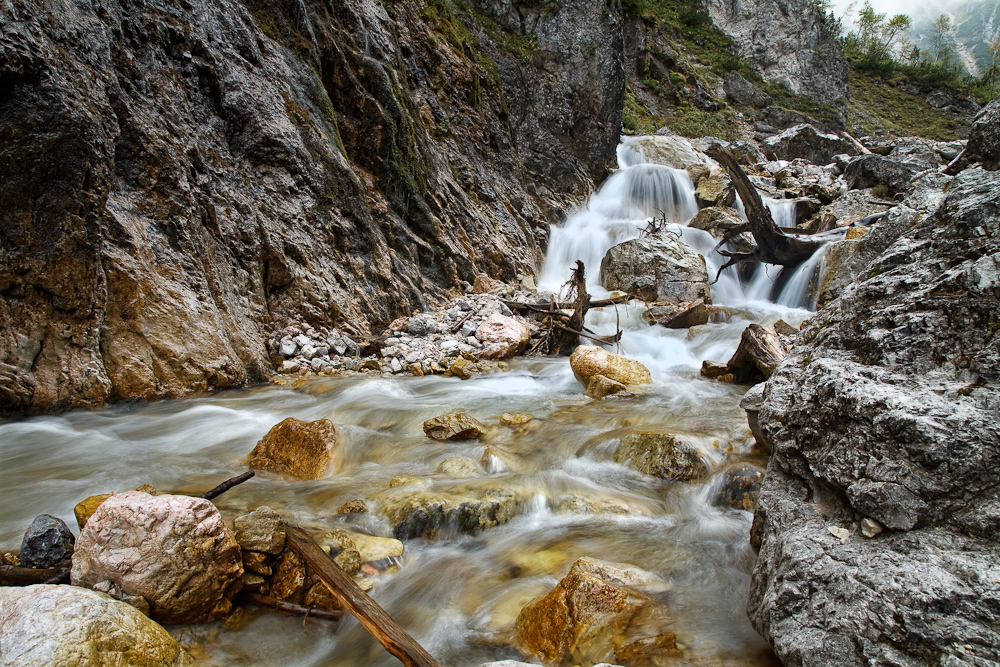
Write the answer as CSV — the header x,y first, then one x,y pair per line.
x,y
888,418
178,180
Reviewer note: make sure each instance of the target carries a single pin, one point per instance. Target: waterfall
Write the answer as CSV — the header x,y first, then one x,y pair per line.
x,y
639,192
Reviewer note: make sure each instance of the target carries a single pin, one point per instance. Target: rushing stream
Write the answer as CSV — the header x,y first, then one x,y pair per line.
x,y
458,594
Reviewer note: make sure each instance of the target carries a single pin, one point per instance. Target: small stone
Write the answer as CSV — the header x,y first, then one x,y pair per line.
x,y
290,365
395,365
459,466
302,340
48,542
373,548
840,533
713,370
783,328
288,348
870,527
513,419
252,580
86,507
320,597
353,507
456,426
257,562
349,561
261,530
742,487
462,368
289,580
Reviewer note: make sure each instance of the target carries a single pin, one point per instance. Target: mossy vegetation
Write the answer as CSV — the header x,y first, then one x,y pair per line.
x,y
895,106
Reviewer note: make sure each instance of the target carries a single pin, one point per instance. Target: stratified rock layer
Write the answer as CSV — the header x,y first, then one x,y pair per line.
x,y
66,626
891,413
178,179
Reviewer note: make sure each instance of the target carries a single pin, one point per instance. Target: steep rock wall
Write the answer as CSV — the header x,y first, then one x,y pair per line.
x,y
889,410
177,179
784,41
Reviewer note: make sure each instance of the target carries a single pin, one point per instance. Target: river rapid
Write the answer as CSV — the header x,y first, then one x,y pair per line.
x,y
458,595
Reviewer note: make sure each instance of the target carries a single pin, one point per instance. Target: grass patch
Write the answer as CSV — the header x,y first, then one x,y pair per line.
x,y
694,123
878,103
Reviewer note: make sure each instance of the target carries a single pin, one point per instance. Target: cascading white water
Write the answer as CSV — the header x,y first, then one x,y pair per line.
x,y
639,192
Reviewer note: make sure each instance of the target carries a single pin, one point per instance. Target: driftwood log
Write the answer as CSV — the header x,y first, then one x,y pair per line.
x,y
374,619
13,575
773,245
566,337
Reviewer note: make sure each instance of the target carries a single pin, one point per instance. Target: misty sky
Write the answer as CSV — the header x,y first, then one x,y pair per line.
x,y
889,7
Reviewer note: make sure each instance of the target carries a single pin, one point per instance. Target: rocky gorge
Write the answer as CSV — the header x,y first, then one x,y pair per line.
x,y
353,201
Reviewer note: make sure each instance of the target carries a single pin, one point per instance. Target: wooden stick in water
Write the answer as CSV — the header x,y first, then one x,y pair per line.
x,y
228,484
374,619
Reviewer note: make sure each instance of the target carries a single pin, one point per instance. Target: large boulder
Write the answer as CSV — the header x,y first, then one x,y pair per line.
x,y
577,621
867,171
296,448
175,552
805,141
590,360
668,151
984,136
656,268
502,337
67,626
887,416
662,455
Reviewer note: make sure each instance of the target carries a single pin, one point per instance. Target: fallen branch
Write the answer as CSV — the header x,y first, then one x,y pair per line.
x,y
565,305
857,144
462,321
289,608
607,340
374,619
228,484
773,245
14,575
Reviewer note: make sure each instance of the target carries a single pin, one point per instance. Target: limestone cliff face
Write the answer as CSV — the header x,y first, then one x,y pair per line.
x,y
885,417
179,178
784,41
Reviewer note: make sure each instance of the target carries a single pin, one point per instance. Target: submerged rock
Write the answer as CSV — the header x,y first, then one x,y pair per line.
x,y
174,551
297,448
67,626
662,455
468,509
890,413
48,542
656,268
590,360
740,487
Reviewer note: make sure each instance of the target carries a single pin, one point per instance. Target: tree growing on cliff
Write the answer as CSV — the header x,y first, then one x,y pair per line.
x,y
877,36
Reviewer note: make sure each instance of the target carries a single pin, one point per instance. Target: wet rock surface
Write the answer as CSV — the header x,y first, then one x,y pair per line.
x,y
656,268
576,621
590,360
456,426
47,543
67,626
888,418
176,552
296,448
662,455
